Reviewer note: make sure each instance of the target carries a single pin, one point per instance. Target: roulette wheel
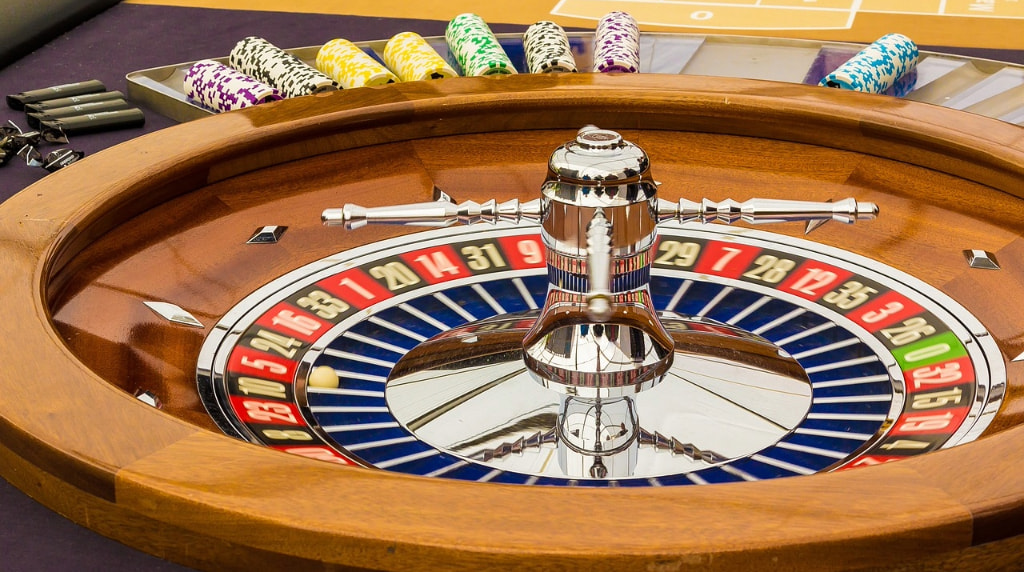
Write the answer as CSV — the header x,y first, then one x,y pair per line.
x,y
221,218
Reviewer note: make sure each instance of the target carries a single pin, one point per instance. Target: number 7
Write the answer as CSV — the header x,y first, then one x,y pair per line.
x,y
729,254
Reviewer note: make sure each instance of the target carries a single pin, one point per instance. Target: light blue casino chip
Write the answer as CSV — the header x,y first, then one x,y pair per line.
x,y
877,67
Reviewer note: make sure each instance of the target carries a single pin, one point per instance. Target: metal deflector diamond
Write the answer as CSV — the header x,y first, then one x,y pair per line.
x,y
267,235
174,314
981,259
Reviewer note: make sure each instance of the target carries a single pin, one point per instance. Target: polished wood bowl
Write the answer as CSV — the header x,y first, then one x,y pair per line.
x,y
165,217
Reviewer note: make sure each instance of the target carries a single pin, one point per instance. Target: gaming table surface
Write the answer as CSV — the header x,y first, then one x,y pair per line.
x,y
142,34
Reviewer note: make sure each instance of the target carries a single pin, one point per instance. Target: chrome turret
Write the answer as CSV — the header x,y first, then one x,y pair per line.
x,y
598,340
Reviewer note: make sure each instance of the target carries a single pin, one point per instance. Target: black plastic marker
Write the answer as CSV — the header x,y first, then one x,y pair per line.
x,y
34,119
18,100
44,106
103,121
61,158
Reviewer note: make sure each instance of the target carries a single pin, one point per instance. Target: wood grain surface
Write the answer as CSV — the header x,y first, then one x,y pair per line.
x,y
165,218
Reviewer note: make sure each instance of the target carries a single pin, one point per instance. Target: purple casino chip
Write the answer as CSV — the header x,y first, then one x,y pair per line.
x,y
617,44
222,88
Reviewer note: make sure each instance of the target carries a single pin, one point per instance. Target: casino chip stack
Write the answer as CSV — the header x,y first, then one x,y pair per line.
x,y
412,58
547,49
617,44
270,64
221,88
351,66
476,48
877,67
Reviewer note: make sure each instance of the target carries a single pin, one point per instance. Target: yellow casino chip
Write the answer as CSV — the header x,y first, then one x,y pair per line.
x,y
350,66
412,58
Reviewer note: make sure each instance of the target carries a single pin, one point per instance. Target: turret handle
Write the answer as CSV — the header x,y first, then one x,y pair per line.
x,y
438,213
760,211
599,267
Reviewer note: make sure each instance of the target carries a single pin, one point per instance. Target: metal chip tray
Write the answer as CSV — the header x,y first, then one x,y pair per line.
x,y
986,87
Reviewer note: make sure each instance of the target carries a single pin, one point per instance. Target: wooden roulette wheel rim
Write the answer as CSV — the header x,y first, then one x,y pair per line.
x,y
88,450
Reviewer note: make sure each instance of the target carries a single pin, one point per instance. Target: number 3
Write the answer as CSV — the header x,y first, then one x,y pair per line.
x,y
880,314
